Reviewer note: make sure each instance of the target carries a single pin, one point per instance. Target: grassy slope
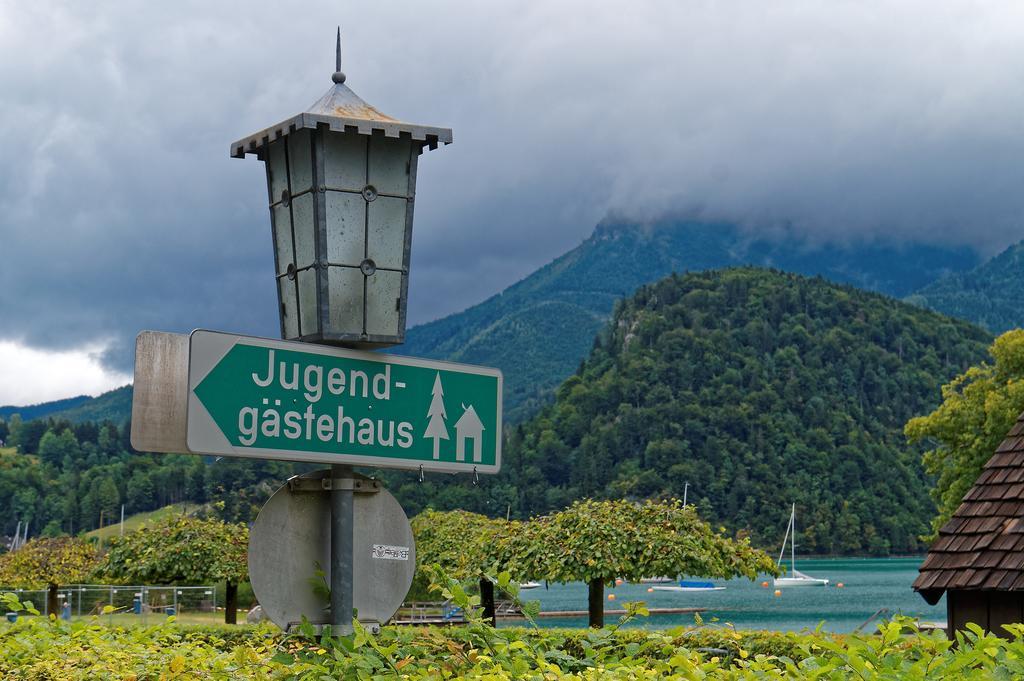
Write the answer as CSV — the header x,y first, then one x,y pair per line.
x,y
136,521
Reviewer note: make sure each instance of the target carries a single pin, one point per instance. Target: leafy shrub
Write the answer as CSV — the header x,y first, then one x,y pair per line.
x,y
39,648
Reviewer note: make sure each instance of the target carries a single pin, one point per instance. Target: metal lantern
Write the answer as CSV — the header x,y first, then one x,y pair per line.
x,y
342,181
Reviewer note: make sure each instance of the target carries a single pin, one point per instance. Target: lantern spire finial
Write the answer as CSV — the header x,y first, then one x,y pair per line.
x,y
338,76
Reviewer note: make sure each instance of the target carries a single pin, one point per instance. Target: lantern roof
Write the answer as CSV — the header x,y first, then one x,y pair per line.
x,y
342,110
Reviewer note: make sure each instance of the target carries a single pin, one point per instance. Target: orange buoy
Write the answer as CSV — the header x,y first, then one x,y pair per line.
x,y
840,585
611,597
764,584
618,582
650,589
778,592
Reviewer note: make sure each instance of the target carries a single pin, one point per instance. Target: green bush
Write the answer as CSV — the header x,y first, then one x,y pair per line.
x,y
40,648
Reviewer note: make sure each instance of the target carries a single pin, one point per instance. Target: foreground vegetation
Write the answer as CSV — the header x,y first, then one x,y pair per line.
x,y
38,648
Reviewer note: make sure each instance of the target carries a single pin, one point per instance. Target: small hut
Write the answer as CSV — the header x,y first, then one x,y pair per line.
x,y
978,558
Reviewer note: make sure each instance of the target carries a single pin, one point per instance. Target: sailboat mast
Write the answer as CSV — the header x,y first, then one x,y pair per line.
x,y
792,541
782,551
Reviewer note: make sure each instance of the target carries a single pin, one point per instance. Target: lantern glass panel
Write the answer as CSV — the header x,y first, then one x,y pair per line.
x,y
289,309
277,170
386,233
345,161
382,292
300,157
309,303
283,237
346,215
389,165
345,291
304,229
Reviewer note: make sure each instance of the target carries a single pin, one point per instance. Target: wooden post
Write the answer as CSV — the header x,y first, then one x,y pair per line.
x,y
595,602
52,607
231,603
487,601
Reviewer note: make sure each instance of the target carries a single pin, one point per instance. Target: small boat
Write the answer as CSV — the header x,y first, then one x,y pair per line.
x,y
529,585
795,578
657,580
690,585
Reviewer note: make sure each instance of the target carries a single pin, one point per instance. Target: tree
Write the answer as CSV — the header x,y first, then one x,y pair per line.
x,y
48,562
598,541
183,549
140,491
435,427
108,498
978,408
53,447
465,545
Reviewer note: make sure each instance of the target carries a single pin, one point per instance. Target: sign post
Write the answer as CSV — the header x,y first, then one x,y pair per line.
x,y
342,530
230,395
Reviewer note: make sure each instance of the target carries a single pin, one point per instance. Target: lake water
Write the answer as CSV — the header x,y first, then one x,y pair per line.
x,y
868,585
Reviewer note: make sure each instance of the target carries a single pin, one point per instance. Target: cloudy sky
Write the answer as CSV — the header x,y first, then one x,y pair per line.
x,y
120,209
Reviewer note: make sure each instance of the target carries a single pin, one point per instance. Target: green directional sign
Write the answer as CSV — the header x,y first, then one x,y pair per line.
x,y
285,400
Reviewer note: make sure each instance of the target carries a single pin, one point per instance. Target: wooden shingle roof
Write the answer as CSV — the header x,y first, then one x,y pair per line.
x,y
981,548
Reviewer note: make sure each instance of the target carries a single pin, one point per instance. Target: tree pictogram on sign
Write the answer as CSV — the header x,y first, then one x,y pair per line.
x,y
436,428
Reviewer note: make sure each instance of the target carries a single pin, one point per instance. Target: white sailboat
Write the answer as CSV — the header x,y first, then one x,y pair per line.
x,y
795,578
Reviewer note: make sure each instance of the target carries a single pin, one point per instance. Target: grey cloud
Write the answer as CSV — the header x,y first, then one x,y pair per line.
x,y
120,209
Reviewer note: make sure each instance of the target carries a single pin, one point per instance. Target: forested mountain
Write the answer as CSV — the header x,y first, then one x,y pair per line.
x,y
759,388
538,330
989,295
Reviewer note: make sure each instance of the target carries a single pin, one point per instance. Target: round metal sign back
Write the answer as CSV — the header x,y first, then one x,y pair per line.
x,y
290,544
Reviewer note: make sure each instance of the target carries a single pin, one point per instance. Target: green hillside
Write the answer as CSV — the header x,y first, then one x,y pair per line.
x,y
989,295
538,330
759,389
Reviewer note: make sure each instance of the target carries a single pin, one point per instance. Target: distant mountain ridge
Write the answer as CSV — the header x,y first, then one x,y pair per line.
x,y
114,405
35,411
989,295
539,329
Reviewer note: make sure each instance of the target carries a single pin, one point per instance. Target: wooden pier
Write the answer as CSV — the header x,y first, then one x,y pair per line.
x,y
437,613
585,613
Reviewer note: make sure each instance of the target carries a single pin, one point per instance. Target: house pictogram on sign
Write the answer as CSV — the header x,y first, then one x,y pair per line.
x,y
469,427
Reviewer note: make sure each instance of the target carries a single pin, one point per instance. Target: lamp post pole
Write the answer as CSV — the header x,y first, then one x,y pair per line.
x,y
338,164
342,553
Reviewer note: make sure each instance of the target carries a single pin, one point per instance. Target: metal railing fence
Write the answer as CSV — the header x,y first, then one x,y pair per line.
x,y
83,600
